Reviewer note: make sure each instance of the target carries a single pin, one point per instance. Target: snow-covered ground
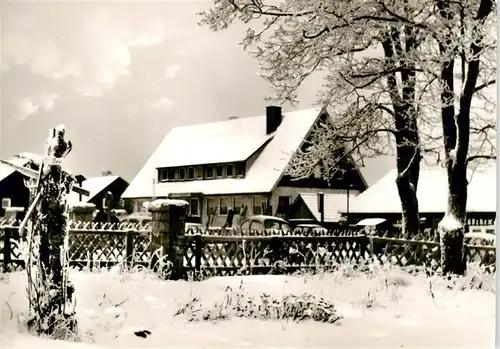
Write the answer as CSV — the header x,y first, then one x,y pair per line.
x,y
385,309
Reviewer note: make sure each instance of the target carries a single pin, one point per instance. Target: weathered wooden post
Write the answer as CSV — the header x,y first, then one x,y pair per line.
x,y
53,296
50,294
168,229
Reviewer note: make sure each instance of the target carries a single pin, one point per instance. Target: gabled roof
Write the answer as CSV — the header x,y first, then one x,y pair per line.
x,y
333,205
432,193
6,171
261,177
94,185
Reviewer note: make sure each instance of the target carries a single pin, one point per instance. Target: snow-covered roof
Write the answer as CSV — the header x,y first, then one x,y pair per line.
x,y
6,171
432,193
333,204
94,185
223,138
216,142
30,156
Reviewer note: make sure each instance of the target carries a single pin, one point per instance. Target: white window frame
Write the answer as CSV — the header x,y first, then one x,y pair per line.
x,y
216,167
233,170
230,204
208,206
198,210
213,172
261,201
163,175
179,173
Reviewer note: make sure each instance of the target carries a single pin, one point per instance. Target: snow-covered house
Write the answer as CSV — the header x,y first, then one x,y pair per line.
x,y
381,200
238,163
98,187
12,184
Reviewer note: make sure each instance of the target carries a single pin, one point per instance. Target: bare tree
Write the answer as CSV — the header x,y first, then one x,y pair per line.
x,y
382,63
370,84
466,38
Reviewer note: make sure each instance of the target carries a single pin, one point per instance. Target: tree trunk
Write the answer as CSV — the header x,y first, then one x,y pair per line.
x,y
452,227
405,120
406,182
456,129
56,309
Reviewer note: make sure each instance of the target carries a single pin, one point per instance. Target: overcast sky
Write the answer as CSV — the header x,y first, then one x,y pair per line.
x,y
119,76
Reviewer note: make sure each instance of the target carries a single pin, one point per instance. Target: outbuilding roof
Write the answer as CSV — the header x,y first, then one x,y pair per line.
x,y
432,193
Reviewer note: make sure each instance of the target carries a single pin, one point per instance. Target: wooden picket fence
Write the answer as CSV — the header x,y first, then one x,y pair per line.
x,y
93,245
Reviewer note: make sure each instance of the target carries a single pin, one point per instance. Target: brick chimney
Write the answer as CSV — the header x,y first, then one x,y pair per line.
x,y
273,118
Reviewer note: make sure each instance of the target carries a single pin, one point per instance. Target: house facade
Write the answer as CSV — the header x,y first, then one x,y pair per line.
x,y
238,164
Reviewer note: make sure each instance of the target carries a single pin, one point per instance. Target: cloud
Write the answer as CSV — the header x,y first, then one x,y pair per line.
x,y
172,70
92,45
162,105
31,105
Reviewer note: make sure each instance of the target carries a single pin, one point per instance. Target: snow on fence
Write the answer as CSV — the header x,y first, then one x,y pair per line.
x,y
104,245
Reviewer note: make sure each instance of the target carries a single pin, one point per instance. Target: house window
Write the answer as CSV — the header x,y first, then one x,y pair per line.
x,y
209,171
171,172
225,204
182,173
257,205
238,204
199,172
219,171
163,175
283,205
240,169
190,173
229,170
194,207
211,206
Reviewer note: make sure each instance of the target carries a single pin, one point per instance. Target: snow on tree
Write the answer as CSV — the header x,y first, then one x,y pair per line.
x,y
468,38
50,293
382,63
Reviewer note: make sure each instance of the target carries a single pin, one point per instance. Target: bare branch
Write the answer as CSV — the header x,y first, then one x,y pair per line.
x,y
477,157
483,86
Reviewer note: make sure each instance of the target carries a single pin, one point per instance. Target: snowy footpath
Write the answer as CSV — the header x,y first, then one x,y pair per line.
x,y
392,310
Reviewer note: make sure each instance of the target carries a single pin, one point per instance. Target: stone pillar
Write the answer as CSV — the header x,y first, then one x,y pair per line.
x,y
168,228
81,212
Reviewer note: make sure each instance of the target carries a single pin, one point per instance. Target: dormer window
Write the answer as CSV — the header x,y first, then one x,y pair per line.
x,y
229,170
198,173
171,174
163,175
182,174
219,171
240,169
209,172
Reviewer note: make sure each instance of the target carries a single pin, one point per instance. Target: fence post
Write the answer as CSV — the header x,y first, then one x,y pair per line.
x,y
7,249
275,244
168,232
363,248
81,212
197,249
371,248
129,248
